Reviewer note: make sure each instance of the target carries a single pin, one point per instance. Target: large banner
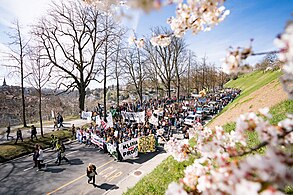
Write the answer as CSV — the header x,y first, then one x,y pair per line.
x,y
86,115
138,117
97,141
147,144
129,149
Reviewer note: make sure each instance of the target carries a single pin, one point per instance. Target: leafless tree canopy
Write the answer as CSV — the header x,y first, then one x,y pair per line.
x,y
72,35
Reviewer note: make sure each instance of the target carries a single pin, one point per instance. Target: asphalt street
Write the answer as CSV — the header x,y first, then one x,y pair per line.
x,y
18,176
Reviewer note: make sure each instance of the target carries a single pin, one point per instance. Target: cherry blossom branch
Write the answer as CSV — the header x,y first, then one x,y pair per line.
x,y
265,53
261,145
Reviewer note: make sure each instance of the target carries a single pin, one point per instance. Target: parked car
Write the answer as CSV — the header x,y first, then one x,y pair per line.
x,y
190,120
208,110
201,113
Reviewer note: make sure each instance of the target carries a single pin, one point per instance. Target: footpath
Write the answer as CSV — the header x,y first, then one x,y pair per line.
x,y
26,133
133,177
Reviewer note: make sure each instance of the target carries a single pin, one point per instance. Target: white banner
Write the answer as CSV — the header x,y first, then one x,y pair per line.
x,y
129,149
153,120
138,117
85,115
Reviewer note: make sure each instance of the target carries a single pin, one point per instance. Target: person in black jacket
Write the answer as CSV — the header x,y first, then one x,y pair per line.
x,y
18,136
34,132
91,173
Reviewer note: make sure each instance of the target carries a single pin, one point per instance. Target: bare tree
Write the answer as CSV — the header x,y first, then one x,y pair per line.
x,y
38,76
17,54
112,34
180,61
72,34
134,65
165,59
117,71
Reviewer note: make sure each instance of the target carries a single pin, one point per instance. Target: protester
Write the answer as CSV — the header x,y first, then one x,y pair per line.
x,y
91,173
34,132
18,136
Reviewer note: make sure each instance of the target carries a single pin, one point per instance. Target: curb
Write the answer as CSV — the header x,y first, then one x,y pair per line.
x,y
131,179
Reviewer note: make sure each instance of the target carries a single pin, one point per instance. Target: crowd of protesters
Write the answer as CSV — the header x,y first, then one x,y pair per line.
x,y
169,112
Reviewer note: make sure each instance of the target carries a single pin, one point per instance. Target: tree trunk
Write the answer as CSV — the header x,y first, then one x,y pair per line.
x,y
178,88
169,89
40,112
22,95
81,98
117,91
105,95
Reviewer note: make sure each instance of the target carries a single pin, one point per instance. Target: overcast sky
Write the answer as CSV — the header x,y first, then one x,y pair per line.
x,y
261,20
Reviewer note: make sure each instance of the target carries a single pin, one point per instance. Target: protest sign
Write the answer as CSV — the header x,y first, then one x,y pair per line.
x,y
154,120
97,141
147,144
112,149
85,115
138,117
110,120
98,120
129,149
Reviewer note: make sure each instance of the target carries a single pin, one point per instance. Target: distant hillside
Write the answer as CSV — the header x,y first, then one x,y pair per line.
x,y
258,90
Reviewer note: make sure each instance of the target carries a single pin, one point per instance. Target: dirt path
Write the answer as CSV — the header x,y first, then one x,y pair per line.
x,y
267,96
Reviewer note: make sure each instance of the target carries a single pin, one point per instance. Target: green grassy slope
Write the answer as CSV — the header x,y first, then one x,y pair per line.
x,y
170,170
249,83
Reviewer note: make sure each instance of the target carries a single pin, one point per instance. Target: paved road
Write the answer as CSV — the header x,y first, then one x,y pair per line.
x,y
46,129
18,176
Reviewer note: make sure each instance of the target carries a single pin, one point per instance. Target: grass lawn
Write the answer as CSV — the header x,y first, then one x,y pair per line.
x,y
158,180
10,150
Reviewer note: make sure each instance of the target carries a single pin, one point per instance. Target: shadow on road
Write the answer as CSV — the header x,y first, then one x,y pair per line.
x,y
54,170
106,186
75,161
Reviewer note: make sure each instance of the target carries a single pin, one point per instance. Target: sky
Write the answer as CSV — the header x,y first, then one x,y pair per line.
x,y
261,20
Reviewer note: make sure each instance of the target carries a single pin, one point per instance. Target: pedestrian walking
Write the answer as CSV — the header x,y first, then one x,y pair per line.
x,y
8,131
91,173
18,136
36,155
60,120
34,132
73,132
54,140
40,158
60,147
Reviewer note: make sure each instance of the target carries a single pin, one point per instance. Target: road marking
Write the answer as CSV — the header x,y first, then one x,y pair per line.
x,y
77,178
45,162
